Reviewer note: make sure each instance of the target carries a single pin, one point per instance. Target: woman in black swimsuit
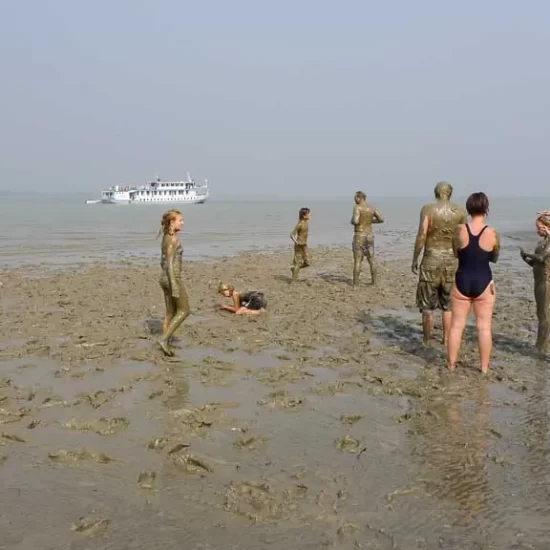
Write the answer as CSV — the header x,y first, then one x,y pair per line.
x,y
476,245
252,302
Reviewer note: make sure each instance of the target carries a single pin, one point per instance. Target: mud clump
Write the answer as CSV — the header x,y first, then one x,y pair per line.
x,y
12,437
103,426
79,455
91,526
190,463
281,400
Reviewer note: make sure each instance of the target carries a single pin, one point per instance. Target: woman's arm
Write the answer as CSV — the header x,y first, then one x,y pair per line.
x,y
236,303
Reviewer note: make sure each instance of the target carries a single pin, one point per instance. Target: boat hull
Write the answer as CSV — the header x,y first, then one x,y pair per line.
x,y
155,201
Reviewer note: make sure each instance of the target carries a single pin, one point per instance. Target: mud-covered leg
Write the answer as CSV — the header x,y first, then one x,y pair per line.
x,y
296,262
170,309
182,312
427,327
372,262
542,298
306,262
357,264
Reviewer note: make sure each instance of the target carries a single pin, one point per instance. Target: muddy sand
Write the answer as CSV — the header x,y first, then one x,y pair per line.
x,y
322,424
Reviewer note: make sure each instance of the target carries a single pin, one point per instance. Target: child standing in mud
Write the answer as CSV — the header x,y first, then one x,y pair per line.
x,y
539,261
244,303
299,238
175,295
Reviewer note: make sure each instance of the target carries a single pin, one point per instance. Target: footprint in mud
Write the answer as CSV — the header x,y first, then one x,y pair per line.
x,y
250,443
287,374
281,400
158,443
91,526
100,397
146,480
349,444
56,401
350,418
258,501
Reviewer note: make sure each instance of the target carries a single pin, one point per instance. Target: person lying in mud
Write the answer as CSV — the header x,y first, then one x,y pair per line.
x,y
299,238
251,302
175,295
540,262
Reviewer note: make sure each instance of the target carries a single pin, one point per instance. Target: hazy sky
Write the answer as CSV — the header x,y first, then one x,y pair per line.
x,y
278,98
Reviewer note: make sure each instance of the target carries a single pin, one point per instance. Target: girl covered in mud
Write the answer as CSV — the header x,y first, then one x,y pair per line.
x,y
540,262
251,302
175,295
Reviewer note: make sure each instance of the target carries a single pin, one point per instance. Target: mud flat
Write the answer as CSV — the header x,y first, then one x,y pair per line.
x,y
323,424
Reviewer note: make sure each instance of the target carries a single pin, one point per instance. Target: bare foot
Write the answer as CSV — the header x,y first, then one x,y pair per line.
x,y
165,348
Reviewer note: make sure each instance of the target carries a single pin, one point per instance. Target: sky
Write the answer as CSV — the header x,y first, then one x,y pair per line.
x,y
276,99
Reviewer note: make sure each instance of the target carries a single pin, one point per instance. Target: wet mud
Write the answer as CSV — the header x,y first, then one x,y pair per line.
x,y
324,423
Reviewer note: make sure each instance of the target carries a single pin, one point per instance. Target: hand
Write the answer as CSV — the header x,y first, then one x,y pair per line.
x,y
175,292
414,268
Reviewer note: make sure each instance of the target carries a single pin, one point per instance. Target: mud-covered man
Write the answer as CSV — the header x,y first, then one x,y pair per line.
x,y
364,215
438,223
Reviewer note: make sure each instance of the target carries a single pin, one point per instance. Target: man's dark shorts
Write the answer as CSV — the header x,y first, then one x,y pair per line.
x,y
434,289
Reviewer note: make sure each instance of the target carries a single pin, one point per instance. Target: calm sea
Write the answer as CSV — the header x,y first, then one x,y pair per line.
x,y
54,230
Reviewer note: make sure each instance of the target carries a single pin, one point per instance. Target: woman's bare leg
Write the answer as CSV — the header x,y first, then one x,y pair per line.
x,y
483,308
460,307
245,311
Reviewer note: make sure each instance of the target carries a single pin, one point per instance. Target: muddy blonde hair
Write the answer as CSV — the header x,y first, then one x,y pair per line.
x,y
222,287
167,219
544,219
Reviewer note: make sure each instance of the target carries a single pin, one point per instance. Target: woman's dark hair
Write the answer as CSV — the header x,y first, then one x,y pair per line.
x,y
303,213
477,204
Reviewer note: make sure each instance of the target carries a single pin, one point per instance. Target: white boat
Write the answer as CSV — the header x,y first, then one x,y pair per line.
x,y
157,192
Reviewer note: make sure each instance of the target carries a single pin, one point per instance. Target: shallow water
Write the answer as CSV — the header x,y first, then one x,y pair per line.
x,y
63,230
429,461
